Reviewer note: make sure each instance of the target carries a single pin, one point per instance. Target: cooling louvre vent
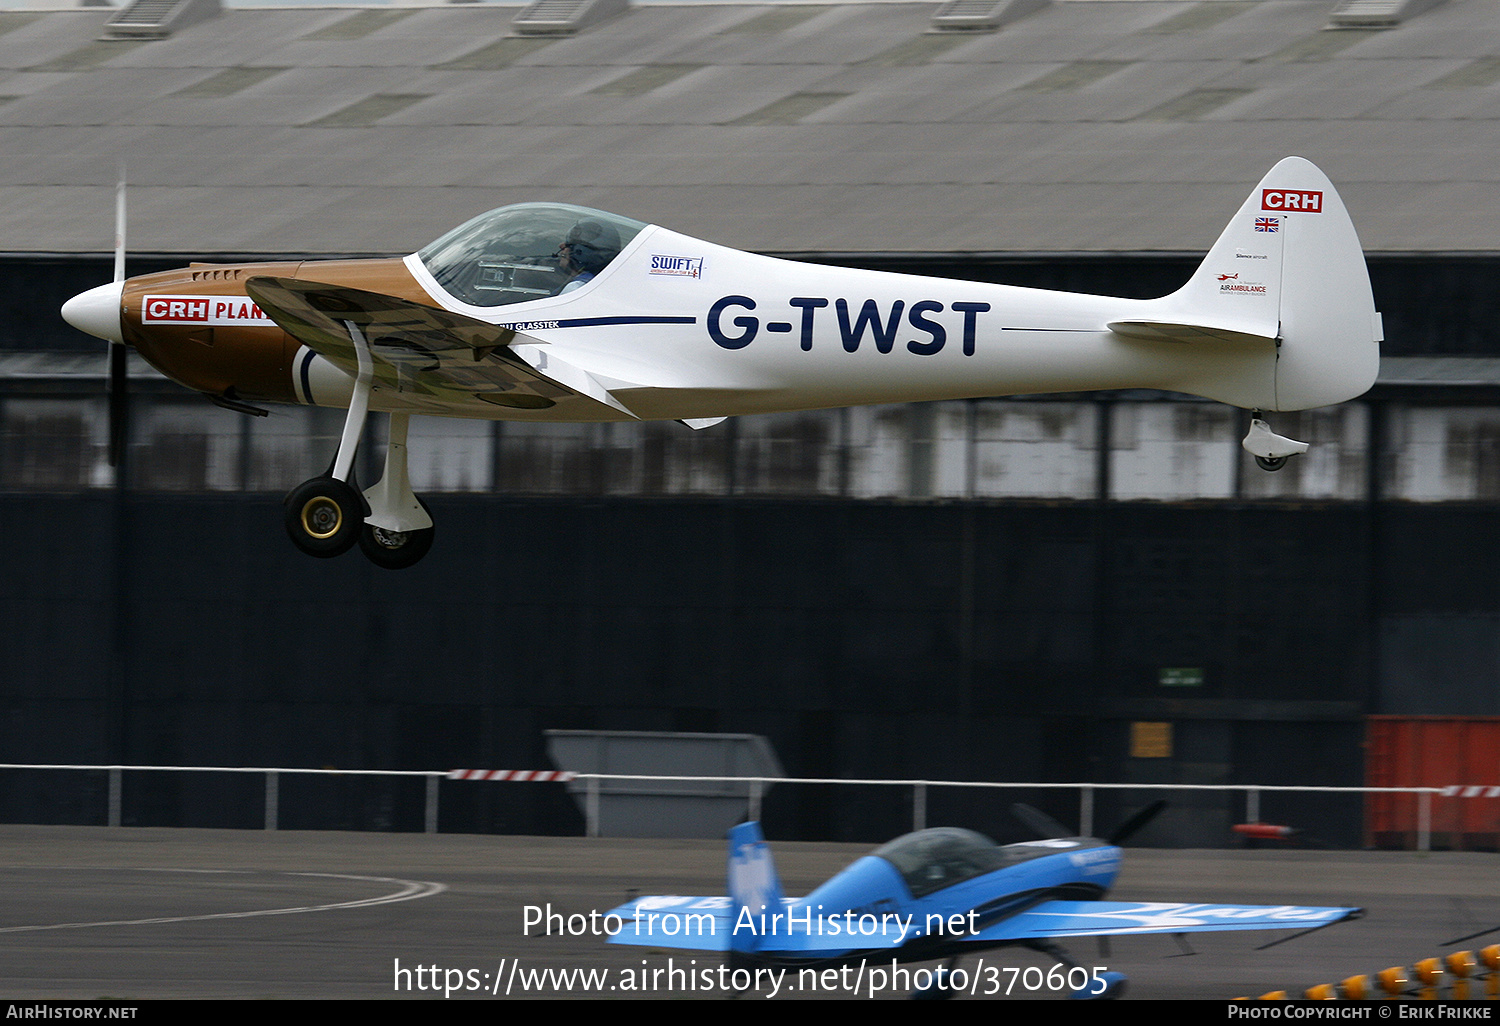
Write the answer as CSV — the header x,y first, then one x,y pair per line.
x,y
981,15
565,17
1377,13
154,19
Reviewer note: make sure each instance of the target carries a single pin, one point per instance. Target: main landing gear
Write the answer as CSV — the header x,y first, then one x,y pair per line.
x,y
327,516
1271,451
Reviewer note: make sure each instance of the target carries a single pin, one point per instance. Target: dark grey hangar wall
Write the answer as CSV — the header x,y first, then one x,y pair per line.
x,y
943,641
869,629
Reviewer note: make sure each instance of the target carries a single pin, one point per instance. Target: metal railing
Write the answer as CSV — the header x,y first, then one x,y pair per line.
x,y
755,788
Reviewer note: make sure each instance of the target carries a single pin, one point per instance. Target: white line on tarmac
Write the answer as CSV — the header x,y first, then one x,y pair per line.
x,y
410,890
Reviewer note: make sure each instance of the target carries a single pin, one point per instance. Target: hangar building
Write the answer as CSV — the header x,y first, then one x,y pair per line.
x,y
996,589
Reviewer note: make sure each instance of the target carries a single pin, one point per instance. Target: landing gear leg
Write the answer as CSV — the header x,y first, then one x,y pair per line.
x,y
1271,451
398,532
325,515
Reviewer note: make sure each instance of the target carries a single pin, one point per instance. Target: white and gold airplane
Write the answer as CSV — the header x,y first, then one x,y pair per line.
x,y
544,311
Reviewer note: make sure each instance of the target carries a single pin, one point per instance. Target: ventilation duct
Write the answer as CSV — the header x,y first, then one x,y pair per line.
x,y
564,17
155,19
981,15
1356,14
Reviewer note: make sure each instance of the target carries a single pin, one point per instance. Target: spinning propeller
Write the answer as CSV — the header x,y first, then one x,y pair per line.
x,y
1048,827
119,399
97,312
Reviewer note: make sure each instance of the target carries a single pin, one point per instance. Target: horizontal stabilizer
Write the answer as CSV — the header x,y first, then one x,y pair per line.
x,y
1175,331
674,921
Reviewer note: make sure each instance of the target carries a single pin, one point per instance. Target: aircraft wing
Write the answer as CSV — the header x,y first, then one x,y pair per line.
x,y
424,349
1096,918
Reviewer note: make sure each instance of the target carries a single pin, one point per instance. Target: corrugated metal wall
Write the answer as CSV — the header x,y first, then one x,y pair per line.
x,y
956,641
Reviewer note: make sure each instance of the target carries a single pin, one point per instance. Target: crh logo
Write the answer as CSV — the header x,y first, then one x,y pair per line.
x,y
1303,200
216,311
164,308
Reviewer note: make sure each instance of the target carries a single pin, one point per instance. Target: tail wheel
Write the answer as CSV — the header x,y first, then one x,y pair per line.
x,y
324,517
396,550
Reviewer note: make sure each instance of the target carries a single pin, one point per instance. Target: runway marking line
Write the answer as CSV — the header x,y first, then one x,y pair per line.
x,y
410,891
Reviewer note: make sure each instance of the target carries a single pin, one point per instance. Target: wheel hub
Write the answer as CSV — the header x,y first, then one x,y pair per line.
x,y
388,539
321,517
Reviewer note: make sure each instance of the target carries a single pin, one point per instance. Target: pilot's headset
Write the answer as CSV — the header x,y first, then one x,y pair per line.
x,y
592,245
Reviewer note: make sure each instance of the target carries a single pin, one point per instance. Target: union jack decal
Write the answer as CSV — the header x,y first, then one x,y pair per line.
x,y
1267,224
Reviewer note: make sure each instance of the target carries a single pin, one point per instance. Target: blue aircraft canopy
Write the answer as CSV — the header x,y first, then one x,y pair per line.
x,y
517,253
930,860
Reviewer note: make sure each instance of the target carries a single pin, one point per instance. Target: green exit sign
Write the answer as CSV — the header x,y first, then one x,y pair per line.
x,y
1181,677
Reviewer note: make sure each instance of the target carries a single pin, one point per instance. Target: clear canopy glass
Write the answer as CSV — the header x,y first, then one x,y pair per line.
x,y
930,860
526,251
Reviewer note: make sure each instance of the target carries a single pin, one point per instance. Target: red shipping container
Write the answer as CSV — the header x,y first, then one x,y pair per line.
x,y
1461,753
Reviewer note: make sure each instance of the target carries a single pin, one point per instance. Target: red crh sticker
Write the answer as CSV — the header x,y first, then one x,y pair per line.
x,y
217,311
1304,200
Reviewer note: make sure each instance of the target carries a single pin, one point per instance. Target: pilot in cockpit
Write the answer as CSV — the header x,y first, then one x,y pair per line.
x,y
590,245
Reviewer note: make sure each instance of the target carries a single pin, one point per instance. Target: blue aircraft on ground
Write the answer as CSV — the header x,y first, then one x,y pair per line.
x,y
941,893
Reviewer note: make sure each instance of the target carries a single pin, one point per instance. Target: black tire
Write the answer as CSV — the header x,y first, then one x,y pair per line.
x,y
324,517
1271,463
396,550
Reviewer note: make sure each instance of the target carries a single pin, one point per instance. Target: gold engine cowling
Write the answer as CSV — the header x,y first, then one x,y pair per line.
x,y
198,327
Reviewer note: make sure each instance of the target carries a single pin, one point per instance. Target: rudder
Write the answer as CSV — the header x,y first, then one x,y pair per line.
x,y
754,886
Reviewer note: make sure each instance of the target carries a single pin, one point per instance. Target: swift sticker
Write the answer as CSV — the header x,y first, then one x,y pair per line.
x,y
676,266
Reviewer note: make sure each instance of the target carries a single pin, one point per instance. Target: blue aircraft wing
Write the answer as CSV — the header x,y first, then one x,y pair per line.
x,y
1095,918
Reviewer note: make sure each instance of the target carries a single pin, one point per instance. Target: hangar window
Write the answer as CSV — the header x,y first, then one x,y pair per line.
x,y
526,251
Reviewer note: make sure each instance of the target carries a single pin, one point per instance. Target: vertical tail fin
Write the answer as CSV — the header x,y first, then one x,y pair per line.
x,y
1287,278
1330,329
754,886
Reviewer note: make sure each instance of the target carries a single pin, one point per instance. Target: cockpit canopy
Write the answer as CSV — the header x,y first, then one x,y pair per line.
x,y
930,860
516,253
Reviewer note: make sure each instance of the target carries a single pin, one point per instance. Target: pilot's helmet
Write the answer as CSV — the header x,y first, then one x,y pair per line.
x,y
591,245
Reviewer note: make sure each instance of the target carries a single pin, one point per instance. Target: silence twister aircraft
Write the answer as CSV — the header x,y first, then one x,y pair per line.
x,y
545,311
941,893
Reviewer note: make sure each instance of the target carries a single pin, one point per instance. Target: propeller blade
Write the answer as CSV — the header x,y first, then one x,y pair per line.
x,y
1126,829
1043,824
120,227
119,403
119,380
